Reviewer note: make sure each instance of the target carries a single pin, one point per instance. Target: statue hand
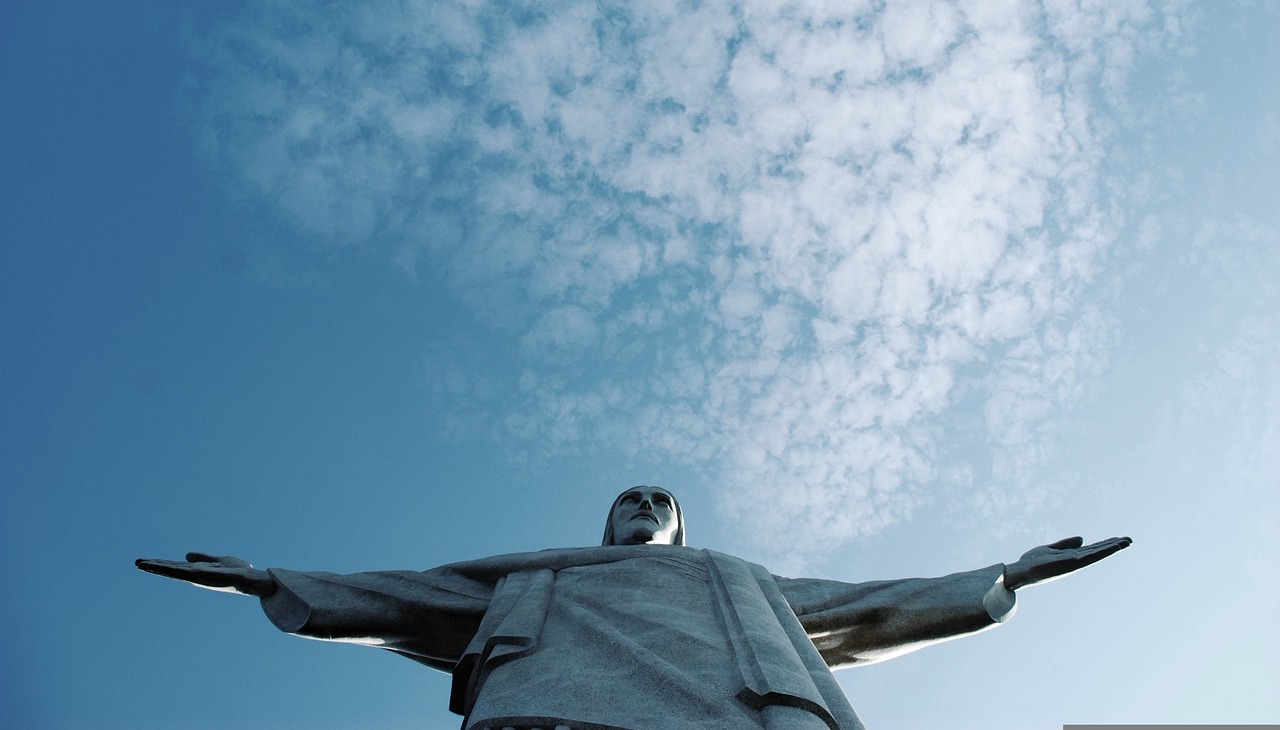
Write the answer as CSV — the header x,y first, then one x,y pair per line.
x,y
226,573
1055,560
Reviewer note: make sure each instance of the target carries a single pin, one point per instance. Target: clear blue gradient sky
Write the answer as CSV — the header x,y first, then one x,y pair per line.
x,y
879,290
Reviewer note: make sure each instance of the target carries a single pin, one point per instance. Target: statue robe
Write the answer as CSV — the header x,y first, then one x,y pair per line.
x,y
637,637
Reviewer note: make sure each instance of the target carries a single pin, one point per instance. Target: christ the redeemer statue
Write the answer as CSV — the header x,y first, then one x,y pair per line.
x,y
642,633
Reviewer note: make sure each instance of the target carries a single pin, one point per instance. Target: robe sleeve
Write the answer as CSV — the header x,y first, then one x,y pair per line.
x,y
428,616
860,623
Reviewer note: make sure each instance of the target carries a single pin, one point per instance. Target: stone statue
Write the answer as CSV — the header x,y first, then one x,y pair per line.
x,y
640,633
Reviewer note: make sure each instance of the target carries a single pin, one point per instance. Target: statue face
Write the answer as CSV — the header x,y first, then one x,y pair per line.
x,y
644,515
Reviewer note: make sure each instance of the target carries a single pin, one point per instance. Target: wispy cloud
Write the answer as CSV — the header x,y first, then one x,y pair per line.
x,y
792,242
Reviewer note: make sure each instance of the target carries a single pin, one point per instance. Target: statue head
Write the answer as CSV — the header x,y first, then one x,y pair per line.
x,y
644,515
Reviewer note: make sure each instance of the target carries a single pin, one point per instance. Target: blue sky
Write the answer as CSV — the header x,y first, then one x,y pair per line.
x,y
878,290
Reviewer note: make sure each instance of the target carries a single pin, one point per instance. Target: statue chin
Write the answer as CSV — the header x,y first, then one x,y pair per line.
x,y
639,537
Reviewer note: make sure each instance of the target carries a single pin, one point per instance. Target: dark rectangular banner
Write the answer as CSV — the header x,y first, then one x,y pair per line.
x,y
1171,727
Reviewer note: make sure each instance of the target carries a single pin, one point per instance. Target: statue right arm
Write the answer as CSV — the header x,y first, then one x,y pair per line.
x,y
427,616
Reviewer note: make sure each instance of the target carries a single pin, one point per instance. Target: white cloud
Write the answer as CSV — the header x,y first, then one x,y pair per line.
x,y
780,230
564,331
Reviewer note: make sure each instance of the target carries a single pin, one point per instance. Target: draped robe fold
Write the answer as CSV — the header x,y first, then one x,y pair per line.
x,y
637,637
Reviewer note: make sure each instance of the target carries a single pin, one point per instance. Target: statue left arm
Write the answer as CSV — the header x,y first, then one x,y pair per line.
x,y
861,623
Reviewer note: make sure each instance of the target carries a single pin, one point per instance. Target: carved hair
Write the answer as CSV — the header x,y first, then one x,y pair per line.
x,y
677,539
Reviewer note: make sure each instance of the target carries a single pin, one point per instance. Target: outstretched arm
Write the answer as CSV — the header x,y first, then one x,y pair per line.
x,y
428,616
860,623
218,573
1047,562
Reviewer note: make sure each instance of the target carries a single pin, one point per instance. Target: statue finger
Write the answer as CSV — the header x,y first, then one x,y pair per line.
x,y
203,558
234,562
1097,551
1111,545
1067,543
218,561
167,568
225,561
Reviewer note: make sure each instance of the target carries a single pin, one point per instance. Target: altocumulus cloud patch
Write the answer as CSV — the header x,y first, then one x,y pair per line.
x,y
799,244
